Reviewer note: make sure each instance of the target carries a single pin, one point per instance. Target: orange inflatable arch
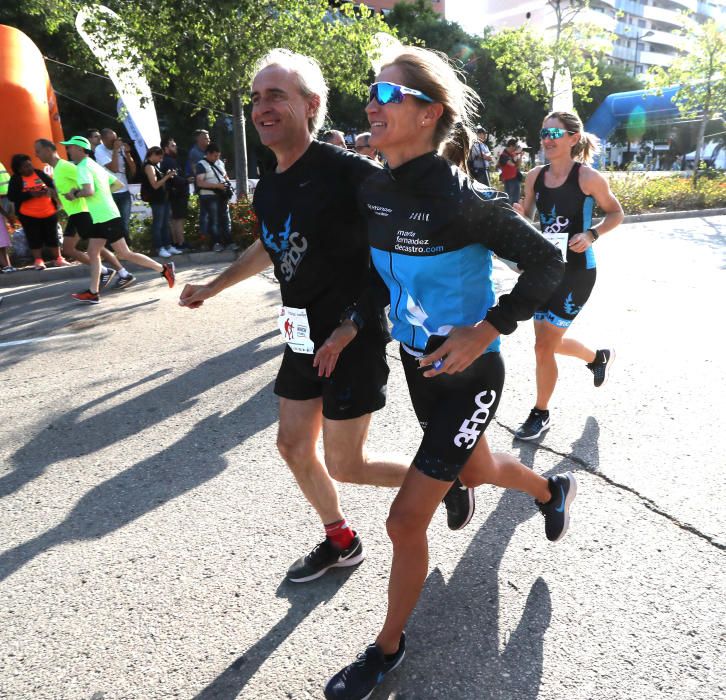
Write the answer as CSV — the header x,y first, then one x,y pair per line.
x,y
28,108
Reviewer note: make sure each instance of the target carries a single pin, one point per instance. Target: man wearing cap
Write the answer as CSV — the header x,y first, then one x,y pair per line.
x,y
479,157
96,186
79,225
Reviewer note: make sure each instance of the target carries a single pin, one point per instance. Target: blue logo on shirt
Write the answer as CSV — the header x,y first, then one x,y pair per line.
x,y
284,237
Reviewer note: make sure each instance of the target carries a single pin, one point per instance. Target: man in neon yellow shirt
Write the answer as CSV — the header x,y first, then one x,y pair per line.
x,y
80,224
95,186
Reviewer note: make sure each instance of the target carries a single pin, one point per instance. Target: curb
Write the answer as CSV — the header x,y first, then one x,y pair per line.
x,y
78,270
663,215
56,274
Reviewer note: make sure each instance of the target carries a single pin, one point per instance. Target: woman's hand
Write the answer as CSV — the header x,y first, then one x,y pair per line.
x,y
580,242
462,347
518,208
327,356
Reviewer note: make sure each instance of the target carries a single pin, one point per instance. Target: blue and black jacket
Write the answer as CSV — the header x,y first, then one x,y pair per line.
x,y
432,232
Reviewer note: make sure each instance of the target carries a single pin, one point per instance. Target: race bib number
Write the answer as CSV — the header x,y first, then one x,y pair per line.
x,y
295,329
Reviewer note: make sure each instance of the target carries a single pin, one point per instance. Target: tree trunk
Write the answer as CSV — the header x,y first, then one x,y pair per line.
x,y
240,143
699,147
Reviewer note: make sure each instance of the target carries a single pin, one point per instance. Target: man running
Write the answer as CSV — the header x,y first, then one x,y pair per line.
x,y
80,225
315,237
95,186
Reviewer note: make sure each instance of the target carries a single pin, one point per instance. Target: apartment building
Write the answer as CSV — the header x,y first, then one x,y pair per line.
x,y
646,31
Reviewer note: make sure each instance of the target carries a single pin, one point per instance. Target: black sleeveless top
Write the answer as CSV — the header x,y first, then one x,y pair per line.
x,y
566,208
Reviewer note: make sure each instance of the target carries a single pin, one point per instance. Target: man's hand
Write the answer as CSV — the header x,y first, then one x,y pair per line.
x,y
327,356
518,208
194,295
462,347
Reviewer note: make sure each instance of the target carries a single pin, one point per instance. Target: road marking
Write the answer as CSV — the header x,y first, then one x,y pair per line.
x,y
27,341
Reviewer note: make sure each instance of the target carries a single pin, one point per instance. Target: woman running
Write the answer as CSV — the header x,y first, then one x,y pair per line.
x,y
564,192
432,232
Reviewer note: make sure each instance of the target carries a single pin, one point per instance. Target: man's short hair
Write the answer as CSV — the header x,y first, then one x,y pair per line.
x,y
106,131
90,132
166,141
512,142
366,135
46,144
198,132
212,148
309,77
481,130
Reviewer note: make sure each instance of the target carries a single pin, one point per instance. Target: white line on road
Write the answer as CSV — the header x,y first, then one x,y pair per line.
x,y
27,341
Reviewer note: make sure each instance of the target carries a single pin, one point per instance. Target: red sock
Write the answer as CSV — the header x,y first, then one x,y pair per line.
x,y
339,533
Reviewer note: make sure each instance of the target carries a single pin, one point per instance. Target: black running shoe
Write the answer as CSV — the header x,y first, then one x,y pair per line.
x,y
106,277
556,511
359,680
323,557
600,367
460,503
123,282
536,424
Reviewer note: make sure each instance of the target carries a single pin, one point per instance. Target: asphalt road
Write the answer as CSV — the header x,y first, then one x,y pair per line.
x,y
146,520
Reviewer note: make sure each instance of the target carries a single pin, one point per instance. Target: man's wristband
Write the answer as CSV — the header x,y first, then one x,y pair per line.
x,y
595,234
350,314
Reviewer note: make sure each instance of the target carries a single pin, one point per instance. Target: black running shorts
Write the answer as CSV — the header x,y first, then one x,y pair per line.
x,y
356,387
112,230
453,410
567,300
80,224
40,232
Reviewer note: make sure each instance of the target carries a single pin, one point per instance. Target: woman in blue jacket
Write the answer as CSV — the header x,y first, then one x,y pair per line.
x,y
432,232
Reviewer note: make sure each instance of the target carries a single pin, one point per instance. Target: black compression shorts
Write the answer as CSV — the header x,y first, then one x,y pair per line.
x,y
80,224
356,387
567,301
112,230
454,411
40,232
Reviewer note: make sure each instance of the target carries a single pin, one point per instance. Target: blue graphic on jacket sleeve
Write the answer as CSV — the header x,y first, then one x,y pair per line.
x,y
570,307
284,236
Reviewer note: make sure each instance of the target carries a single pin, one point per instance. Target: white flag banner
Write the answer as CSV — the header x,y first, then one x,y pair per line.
x,y
128,121
121,62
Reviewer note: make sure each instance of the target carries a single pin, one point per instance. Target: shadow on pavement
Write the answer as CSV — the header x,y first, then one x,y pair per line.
x,y
153,482
303,600
70,437
453,634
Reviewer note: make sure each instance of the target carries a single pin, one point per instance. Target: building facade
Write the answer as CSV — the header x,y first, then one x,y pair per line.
x,y
387,5
646,31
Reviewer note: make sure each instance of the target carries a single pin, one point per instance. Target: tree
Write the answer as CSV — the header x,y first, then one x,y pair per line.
x,y
205,51
532,63
702,74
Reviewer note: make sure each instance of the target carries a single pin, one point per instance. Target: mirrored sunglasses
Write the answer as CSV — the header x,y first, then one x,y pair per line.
x,y
385,93
553,133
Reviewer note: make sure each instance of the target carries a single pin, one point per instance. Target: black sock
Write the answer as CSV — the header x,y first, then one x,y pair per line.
x,y
542,412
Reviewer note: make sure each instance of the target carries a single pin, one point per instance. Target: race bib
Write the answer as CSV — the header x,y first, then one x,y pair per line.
x,y
558,239
295,329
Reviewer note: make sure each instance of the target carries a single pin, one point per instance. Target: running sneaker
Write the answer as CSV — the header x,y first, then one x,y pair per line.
x,y
600,366
556,511
460,503
217,248
233,247
106,277
174,250
536,424
325,556
60,261
359,680
8,269
168,273
122,282
163,253
87,297
38,264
